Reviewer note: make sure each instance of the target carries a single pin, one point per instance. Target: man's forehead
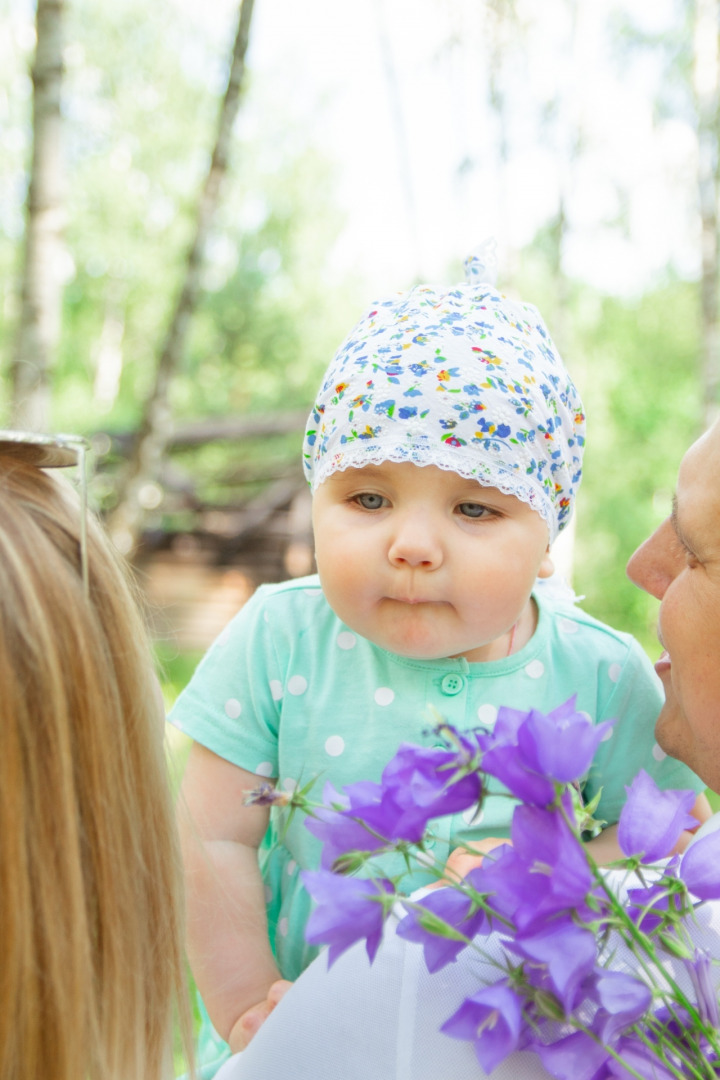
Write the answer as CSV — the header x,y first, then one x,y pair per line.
x,y
696,504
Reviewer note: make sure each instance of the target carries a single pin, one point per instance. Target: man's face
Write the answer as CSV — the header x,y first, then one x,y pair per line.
x,y
680,565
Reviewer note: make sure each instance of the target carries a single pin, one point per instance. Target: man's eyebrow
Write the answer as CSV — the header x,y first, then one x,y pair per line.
x,y
676,523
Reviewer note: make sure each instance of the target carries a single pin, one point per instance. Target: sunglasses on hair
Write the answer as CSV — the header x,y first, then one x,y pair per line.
x,y
54,452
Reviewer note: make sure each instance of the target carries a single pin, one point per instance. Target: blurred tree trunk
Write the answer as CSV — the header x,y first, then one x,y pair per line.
x,y
41,283
502,26
125,522
706,80
568,141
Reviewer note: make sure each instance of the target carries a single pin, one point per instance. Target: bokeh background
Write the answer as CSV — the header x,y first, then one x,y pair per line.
x,y
174,293
197,201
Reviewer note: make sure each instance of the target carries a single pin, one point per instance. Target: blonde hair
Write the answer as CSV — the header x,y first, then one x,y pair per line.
x,y
92,968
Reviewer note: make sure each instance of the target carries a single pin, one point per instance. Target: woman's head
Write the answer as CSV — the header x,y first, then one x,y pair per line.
x,y
466,380
88,866
680,565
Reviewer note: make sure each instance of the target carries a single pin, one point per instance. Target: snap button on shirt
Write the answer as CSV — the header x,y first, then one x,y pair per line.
x,y
452,684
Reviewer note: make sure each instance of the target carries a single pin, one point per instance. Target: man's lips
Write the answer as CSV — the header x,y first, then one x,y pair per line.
x,y
664,663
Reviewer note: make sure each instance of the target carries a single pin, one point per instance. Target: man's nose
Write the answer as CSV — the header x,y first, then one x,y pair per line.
x,y
657,562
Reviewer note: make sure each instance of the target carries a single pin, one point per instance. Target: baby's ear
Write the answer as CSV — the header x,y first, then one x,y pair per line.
x,y
547,566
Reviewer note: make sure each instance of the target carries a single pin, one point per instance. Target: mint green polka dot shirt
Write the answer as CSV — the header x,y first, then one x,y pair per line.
x,y
289,691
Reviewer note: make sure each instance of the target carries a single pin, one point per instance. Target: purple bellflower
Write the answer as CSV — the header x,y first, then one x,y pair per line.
x,y
623,1000
491,1019
420,784
561,996
505,764
556,873
417,785
343,830
636,1055
442,922
528,751
699,969
561,744
563,952
574,1057
651,820
349,909
699,867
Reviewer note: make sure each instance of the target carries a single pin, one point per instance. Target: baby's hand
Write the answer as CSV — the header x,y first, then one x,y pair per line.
x,y
248,1025
466,858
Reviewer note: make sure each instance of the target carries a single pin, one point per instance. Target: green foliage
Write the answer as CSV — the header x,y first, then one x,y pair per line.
x,y
643,404
636,364
174,669
141,98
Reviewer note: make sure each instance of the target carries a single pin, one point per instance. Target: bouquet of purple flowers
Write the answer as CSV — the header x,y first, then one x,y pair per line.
x,y
559,990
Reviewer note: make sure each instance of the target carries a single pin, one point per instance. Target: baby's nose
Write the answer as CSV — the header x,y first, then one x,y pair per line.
x,y
416,543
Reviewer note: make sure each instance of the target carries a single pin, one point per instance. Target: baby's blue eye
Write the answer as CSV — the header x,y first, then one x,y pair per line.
x,y
370,501
472,510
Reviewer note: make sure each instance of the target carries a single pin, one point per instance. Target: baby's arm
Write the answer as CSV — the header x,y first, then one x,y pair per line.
x,y
228,945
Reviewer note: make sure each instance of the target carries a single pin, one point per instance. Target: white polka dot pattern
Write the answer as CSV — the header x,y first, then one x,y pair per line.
x,y
276,689
614,671
346,640
335,745
283,927
233,708
567,626
535,669
487,714
658,753
384,695
297,685
265,768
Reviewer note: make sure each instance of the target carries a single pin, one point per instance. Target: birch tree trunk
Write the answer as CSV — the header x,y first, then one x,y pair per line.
x,y
41,283
706,78
125,522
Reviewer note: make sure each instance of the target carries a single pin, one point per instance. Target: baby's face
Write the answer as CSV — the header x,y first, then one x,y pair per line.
x,y
423,562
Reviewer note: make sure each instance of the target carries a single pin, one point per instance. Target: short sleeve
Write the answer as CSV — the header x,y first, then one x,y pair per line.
x,y
230,704
634,701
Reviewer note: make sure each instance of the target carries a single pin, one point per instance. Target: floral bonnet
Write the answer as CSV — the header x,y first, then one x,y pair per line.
x,y
467,380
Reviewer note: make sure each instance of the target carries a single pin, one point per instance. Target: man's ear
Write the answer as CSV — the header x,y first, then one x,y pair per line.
x,y
547,567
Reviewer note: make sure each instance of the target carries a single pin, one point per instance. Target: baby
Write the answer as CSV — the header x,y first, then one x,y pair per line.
x,y
444,454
